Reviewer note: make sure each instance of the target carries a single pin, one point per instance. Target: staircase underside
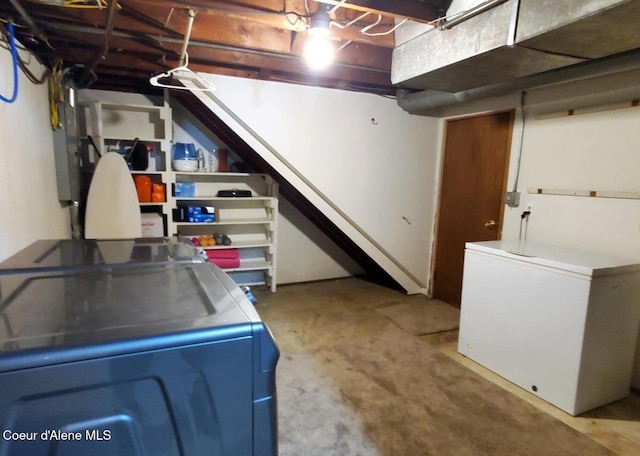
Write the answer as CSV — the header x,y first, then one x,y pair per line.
x,y
256,162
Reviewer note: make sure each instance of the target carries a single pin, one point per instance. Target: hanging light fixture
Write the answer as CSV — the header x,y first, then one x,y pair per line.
x,y
319,53
320,23
319,50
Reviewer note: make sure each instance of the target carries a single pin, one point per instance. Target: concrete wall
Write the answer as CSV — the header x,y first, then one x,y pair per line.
x,y
29,206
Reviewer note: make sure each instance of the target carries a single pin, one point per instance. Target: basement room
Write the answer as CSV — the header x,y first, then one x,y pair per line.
x,y
320,227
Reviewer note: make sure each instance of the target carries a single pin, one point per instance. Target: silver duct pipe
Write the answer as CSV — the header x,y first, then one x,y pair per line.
x,y
428,101
471,12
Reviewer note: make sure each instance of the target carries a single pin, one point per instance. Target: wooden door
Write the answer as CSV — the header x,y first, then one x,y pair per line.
x,y
474,178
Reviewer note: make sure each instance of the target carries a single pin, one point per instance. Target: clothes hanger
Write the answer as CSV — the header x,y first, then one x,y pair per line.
x,y
182,72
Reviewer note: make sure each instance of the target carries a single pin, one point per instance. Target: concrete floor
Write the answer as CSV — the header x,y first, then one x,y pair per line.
x,y
293,309
615,426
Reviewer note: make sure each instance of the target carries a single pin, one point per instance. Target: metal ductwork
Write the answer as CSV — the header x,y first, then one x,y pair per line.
x,y
516,45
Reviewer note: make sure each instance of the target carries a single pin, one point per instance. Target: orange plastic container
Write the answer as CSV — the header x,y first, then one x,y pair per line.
x,y
157,193
143,187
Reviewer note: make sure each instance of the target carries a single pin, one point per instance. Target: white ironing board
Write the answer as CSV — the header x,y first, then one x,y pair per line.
x,y
112,211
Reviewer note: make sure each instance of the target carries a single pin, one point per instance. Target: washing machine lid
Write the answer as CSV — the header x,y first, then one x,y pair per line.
x,y
72,314
558,257
55,254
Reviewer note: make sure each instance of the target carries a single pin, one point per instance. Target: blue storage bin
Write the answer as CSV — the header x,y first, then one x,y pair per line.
x,y
184,189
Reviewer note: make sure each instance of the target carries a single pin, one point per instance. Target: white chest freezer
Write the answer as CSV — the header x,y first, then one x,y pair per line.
x,y
558,322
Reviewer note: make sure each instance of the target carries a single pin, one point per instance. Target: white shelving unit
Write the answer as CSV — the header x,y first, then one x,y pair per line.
x,y
249,222
114,126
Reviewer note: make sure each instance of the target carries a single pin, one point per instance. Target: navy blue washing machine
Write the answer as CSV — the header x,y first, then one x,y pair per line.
x,y
131,348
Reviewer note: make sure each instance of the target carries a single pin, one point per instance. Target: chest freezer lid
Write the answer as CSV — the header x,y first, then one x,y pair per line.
x,y
59,316
55,254
572,260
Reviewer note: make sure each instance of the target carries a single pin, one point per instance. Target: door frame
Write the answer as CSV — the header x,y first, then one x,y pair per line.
x,y
436,224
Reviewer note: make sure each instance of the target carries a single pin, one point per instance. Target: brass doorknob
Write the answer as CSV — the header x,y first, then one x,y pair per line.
x,y
491,224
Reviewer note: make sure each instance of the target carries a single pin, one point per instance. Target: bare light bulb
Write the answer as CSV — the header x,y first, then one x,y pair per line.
x,y
319,53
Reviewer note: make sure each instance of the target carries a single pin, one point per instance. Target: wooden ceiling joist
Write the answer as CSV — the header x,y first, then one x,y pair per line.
x,y
251,38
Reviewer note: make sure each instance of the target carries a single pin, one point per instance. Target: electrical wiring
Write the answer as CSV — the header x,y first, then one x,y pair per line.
x,y
56,93
24,65
350,23
393,29
370,26
30,76
335,8
299,23
78,4
344,45
365,29
31,25
14,56
19,45
7,21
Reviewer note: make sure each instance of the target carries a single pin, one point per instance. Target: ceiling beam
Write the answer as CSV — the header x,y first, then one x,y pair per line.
x,y
353,64
291,18
372,59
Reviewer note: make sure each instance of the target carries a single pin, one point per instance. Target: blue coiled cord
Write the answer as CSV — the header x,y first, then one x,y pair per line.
x,y
14,54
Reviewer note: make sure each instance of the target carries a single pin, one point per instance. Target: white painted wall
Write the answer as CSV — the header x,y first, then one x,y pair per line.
x,y
28,194
370,159
597,151
188,129
305,253
297,236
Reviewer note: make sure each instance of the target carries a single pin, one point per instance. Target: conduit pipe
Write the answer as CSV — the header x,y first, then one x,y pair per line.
x,y
112,7
32,25
428,101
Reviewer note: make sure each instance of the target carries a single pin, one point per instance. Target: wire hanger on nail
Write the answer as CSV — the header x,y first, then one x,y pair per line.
x,y
182,72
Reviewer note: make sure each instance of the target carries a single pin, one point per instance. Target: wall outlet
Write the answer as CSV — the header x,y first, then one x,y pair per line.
x,y
512,199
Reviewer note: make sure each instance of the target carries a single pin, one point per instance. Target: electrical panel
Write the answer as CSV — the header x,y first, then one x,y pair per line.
x,y
65,148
